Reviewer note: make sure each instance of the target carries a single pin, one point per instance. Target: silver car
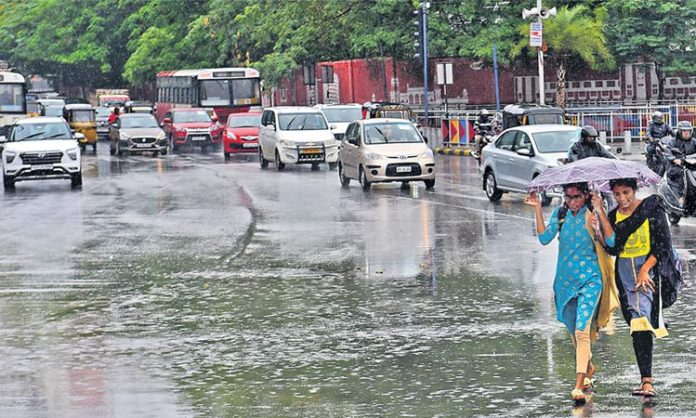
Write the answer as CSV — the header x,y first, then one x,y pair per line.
x,y
136,133
521,153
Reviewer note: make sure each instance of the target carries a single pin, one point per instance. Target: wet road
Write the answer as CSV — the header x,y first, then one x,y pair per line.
x,y
184,286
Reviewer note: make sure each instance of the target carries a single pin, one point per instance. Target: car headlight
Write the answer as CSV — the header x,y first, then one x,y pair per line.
x,y
72,153
284,143
161,136
124,136
373,156
10,156
427,154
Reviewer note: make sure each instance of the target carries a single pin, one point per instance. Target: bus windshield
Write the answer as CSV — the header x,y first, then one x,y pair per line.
x,y
231,92
12,98
215,92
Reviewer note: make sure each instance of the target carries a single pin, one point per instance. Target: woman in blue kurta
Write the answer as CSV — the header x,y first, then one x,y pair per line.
x,y
578,282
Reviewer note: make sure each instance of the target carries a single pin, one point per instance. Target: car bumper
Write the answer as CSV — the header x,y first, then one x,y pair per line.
x,y
202,139
241,146
408,170
311,155
57,171
135,148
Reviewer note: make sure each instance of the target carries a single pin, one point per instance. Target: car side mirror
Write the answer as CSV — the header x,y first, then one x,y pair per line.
x,y
166,121
332,127
272,125
3,139
525,152
214,118
79,136
425,138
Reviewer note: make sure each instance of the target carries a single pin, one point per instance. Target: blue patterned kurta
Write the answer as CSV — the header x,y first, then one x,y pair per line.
x,y
578,282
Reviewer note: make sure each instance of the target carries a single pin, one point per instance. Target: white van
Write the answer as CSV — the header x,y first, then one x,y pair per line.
x,y
296,135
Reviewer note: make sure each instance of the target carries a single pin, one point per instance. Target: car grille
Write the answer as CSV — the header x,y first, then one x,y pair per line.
x,y
35,158
415,170
339,137
144,140
250,138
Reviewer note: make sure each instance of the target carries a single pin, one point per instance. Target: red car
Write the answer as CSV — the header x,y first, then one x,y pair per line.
x,y
241,133
193,127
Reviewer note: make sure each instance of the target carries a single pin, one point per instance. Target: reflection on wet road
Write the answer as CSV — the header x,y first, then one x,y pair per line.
x,y
186,286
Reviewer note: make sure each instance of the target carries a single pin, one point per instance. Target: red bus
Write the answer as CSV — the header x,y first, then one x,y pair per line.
x,y
221,90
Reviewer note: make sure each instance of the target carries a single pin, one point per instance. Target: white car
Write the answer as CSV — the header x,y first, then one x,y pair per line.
x,y
340,116
41,148
385,150
296,135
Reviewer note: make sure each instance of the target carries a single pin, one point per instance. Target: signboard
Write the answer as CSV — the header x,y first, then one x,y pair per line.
x,y
444,73
535,34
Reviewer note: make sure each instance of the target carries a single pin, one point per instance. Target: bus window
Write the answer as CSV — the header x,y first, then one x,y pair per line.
x,y
246,91
11,98
214,92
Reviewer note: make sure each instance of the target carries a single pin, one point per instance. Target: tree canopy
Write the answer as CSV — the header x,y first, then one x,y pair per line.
x,y
118,42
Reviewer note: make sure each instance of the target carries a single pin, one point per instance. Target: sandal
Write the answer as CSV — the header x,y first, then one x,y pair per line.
x,y
588,382
578,396
642,391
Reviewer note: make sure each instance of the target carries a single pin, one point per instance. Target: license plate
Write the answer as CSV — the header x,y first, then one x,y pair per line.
x,y
311,151
250,145
403,169
143,145
42,167
198,138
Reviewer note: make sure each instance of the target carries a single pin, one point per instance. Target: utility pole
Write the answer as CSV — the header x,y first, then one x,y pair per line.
x,y
536,39
422,43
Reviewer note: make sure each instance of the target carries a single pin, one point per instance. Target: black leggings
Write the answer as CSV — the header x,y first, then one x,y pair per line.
x,y
643,347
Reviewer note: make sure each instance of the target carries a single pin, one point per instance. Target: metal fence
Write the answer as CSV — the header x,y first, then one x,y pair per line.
x,y
615,121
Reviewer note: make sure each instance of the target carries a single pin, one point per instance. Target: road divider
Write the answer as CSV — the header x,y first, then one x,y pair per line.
x,y
461,151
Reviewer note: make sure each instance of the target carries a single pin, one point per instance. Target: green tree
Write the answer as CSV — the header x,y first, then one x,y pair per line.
x,y
659,31
574,33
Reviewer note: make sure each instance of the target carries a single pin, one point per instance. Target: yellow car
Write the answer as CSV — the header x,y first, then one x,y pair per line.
x,y
82,118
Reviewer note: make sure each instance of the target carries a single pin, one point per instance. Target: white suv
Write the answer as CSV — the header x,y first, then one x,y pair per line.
x,y
296,135
340,116
41,148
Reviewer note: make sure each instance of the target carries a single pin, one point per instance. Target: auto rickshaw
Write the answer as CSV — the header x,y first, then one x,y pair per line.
x,y
33,108
520,115
387,110
82,119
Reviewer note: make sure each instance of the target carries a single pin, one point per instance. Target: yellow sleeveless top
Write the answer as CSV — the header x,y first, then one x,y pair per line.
x,y
638,243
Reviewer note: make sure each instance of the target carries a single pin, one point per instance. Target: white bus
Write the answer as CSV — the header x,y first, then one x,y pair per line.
x,y
13,104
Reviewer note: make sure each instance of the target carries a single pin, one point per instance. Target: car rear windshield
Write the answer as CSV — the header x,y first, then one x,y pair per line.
x,y
40,131
140,122
302,122
391,133
189,117
342,114
555,141
247,121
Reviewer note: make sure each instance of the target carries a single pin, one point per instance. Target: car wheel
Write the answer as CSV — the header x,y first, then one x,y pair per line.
x,y
262,160
492,192
76,180
8,182
332,166
429,184
155,154
315,167
227,156
345,181
280,166
364,182
674,219
165,150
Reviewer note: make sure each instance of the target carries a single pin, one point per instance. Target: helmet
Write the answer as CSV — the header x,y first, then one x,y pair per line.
x,y
657,116
684,127
484,112
588,131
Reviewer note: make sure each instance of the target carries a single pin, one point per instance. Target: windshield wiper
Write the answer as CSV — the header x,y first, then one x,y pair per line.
x,y
290,123
34,135
58,135
382,133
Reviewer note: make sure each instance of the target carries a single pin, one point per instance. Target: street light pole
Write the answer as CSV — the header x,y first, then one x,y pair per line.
x,y
540,58
424,16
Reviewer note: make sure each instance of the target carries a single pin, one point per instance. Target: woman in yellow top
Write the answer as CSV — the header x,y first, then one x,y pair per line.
x,y
647,272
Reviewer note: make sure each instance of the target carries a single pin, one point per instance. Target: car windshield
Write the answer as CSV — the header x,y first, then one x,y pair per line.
x,y
139,122
392,133
302,122
40,131
102,112
555,141
247,121
189,117
342,114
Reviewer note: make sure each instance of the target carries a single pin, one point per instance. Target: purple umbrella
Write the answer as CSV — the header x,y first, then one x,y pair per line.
x,y
596,172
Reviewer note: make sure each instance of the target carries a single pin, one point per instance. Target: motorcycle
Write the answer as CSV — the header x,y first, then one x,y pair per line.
x,y
657,163
484,136
675,208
